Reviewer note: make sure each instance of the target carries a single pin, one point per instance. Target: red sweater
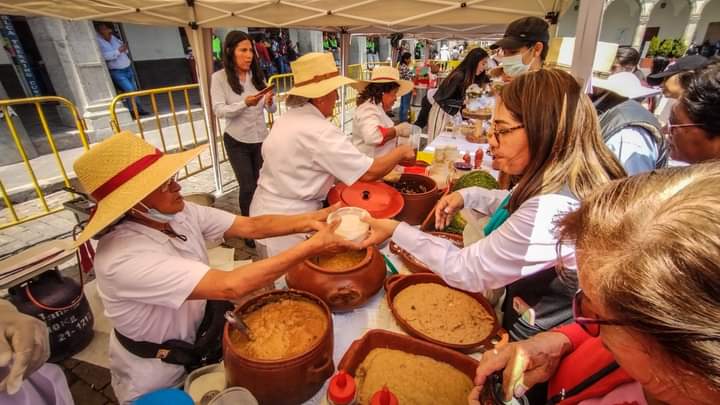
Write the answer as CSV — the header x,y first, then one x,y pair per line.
x,y
587,357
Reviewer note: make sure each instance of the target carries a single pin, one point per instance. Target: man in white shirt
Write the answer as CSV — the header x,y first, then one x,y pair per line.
x,y
114,51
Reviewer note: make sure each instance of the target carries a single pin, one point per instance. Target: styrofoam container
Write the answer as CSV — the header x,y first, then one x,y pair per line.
x,y
352,227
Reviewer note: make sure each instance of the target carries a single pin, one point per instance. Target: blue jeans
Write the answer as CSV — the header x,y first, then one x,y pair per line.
x,y
124,79
405,107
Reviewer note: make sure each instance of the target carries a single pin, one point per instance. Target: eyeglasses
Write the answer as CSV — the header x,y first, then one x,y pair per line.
x,y
589,325
166,186
497,133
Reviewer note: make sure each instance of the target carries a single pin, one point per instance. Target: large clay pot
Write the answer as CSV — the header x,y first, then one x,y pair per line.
x,y
417,206
341,290
287,381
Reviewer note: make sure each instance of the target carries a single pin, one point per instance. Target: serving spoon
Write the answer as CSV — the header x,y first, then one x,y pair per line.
x,y
239,325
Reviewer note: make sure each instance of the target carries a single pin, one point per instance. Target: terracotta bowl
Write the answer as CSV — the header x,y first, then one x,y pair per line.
x,y
415,265
395,284
417,206
379,338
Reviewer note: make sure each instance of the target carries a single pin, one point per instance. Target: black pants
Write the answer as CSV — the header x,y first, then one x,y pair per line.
x,y
246,161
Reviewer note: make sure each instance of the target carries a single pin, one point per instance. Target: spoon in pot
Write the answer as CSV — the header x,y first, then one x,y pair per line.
x,y
239,325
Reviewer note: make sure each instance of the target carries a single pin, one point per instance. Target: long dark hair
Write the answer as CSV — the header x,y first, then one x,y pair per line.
x,y
375,91
258,77
405,58
468,66
563,133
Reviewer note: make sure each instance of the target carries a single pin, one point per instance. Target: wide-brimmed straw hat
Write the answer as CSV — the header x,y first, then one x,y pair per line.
x,y
119,172
315,75
385,74
625,84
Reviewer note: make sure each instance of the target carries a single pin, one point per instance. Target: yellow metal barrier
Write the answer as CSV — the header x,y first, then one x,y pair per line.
x,y
14,218
173,114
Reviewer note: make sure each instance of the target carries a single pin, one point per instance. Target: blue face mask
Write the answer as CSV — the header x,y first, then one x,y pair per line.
x,y
514,66
155,215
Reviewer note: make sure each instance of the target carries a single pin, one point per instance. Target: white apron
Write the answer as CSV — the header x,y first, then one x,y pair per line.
x,y
265,203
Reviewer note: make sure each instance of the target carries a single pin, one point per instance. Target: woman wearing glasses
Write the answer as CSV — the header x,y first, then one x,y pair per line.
x,y
546,134
646,316
694,123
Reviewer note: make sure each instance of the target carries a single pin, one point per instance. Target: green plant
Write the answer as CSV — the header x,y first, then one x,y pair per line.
x,y
678,48
666,48
654,47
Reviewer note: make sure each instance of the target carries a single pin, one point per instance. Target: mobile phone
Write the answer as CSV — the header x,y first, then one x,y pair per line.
x,y
266,90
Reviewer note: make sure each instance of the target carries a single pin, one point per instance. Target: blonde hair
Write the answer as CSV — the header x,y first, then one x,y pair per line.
x,y
564,136
650,245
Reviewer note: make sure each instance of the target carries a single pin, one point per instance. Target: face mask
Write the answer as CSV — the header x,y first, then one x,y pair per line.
x,y
513,65
155,215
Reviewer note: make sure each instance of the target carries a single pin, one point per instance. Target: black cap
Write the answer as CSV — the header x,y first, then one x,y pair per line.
x,y
684,64
523,31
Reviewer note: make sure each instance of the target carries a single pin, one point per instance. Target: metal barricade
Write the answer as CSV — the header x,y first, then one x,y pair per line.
x,y
45,208
163,143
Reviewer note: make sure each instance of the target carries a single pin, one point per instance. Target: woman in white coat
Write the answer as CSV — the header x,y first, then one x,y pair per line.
x,y
374,133
305,154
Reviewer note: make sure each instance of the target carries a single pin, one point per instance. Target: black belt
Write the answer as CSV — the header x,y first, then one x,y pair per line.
x,y
207,348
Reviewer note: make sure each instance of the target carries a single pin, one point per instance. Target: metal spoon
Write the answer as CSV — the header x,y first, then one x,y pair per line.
x,y
239,325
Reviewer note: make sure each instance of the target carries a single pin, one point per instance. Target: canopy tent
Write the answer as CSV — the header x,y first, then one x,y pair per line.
x,y
423,18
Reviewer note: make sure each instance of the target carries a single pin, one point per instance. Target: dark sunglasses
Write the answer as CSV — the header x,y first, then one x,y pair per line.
x,y
589,325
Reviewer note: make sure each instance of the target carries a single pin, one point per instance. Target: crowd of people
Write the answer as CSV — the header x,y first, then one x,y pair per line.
x,y
607,256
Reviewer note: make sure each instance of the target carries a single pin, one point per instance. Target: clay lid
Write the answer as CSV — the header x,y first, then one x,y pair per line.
x,y
384,397
379,199
342,388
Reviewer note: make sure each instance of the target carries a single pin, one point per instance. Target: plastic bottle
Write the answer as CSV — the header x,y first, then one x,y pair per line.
x,y
479,158
384,397
342,390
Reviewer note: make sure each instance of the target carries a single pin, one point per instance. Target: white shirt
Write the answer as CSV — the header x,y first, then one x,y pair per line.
x,y
305,154
144,279
525,244
635,148
110,52
366,135
242,122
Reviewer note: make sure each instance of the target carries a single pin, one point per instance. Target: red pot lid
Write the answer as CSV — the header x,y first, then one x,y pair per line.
x,y
379,199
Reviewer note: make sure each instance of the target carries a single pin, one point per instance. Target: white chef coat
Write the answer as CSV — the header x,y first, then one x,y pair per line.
x,y
635,148
525,244
110,52
242,122
366,135
304,155
144,278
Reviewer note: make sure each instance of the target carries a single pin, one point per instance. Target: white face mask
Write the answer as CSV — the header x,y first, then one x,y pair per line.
x,y
155,215
514,66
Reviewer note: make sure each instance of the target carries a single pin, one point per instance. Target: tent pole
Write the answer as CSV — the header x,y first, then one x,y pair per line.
x,y
206,40
344,53
587,33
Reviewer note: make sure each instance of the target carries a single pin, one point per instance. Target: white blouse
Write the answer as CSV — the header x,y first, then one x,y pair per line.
x,y
525,244
366,135
243,123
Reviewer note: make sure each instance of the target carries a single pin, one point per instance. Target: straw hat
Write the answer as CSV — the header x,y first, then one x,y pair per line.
x,y
624,84
316,75
119,172
385,74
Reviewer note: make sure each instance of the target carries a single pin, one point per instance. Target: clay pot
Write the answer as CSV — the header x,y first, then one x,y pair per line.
x,y
395,284
415,265
286,381
417,206
378,338
341,290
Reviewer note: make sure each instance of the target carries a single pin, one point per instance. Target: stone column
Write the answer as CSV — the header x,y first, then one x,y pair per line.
x,y
77,71
358,50
696,9
385,50
646,9
309,41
